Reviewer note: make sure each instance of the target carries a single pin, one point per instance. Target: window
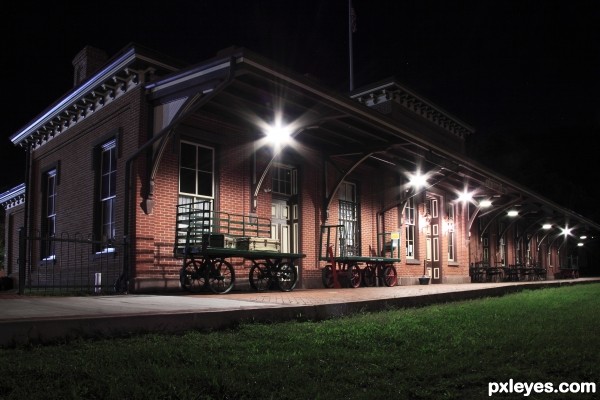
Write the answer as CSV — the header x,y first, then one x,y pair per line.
x,y
283,180
486,250
196,183
49,213
196,166
107,190
409,223
485,242
451,234
501,258
349,218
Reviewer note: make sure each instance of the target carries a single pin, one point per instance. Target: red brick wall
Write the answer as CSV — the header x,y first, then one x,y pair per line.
x,y
74,150
72,153
154,234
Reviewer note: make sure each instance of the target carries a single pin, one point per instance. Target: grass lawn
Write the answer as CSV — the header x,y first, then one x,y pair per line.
x,y
448,351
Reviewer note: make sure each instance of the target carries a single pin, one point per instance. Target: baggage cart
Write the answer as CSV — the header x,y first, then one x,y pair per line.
x,y
345,270
204,240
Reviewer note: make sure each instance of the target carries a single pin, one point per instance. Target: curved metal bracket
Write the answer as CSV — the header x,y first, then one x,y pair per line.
x,y
190,105
500,211
329,199
312,125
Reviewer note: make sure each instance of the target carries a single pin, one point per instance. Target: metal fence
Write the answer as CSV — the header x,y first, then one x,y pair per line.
x,y
69,264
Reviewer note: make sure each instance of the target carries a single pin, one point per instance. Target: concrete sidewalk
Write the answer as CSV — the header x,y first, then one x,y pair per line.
x,y
31,319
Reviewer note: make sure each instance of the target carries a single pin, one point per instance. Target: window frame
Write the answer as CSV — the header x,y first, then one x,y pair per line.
x,y
348,206
451,218
49,193
107,190
196,194
410,222
276,183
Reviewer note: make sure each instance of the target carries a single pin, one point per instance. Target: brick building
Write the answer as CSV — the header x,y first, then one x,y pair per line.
x,y
139,135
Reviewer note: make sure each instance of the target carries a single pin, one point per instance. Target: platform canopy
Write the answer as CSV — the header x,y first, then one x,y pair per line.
x,y
242,92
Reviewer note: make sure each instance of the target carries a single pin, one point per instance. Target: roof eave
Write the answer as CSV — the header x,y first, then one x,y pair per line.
x,y
128,56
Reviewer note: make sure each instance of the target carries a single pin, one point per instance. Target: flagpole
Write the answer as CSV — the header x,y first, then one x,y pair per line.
x,y
350,53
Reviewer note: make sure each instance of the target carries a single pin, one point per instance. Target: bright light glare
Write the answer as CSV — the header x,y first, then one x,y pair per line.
x,y
485,203
566,231
579,244
278,133
547,226
465,196
513,213
583,237
417,180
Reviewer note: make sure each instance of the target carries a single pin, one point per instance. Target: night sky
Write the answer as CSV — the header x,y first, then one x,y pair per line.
x,y
525,74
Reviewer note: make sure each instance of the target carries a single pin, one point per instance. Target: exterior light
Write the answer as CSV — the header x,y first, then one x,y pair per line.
x,y
513,213
278,133
579,244
418,180
547,226
566,231
465,197
485,203
583,237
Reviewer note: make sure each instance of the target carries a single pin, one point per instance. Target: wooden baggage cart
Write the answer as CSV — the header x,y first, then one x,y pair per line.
x,y
344,269
203,240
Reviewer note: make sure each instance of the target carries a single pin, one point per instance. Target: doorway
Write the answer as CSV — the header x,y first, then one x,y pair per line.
x,y
433,238
284,224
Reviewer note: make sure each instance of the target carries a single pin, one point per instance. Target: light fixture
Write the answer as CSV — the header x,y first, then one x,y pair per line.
x,y
465,196
513,213
278,133
485,203
566,231
547,226
418,180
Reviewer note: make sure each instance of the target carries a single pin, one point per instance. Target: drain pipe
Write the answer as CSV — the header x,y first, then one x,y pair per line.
x,y
24,232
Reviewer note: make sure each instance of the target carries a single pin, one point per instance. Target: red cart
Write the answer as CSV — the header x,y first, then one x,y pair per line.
x,y
344,267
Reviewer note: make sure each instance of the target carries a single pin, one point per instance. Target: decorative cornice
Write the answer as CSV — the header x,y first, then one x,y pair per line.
x,y
121,75
392,91
13,197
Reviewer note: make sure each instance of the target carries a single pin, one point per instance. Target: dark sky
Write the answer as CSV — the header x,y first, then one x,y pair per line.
x,y
525,74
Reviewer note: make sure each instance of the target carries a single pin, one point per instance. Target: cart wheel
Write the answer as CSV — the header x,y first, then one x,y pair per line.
x,y
190,277
354,275
369,275
220,276
287,277
390,276
327,276
259,277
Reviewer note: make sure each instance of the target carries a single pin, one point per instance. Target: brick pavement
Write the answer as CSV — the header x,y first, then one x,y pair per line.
x,y
28,319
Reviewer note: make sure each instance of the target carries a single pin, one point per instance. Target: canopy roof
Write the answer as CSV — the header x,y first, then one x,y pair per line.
x,y
242,91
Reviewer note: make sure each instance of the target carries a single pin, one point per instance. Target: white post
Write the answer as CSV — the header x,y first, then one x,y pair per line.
x,y
97,282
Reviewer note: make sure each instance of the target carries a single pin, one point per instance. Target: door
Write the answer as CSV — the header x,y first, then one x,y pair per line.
x,y
281,224
433,239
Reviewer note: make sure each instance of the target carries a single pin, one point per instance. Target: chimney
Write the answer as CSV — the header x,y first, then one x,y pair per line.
x,y
87,62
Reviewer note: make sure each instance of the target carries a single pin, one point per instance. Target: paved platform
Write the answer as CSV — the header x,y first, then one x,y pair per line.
x,y
38,319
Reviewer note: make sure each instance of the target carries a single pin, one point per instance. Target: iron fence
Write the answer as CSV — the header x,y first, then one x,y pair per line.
x,y
70,264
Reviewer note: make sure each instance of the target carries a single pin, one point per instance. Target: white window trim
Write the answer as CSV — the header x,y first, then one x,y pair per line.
x,y
196,195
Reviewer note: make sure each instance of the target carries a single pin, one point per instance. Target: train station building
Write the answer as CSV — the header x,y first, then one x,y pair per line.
x,y
139,138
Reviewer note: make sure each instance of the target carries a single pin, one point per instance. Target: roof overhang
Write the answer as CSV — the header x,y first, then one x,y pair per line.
x,y
13,197
125,70
341,126
256,91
